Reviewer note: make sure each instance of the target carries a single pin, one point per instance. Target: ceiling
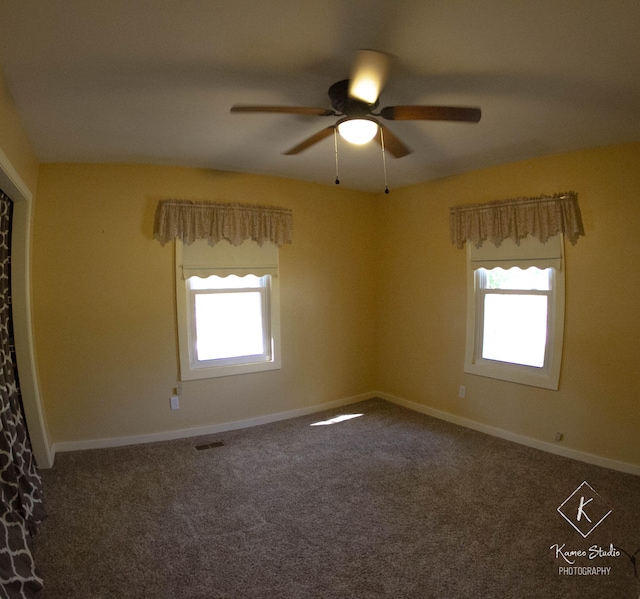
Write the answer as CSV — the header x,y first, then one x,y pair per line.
x,y
153,81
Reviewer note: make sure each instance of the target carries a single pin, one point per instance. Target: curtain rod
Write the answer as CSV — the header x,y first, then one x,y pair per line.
x,y
515,201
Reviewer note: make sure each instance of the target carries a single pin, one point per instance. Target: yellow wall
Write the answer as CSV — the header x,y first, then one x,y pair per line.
x,y
422,326
104,301
18,179
373,298
14,141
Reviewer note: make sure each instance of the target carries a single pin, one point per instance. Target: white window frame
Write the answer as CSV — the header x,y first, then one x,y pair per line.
x,y
530,252
222,260
265,302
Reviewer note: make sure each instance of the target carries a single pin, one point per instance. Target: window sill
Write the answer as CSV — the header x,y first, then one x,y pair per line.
x,y
523,375
209,372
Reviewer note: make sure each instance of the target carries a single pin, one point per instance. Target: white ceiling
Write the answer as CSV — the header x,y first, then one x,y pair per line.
x,y
152,81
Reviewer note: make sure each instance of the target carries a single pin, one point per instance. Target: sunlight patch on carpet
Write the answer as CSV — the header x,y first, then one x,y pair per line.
x,y
336,419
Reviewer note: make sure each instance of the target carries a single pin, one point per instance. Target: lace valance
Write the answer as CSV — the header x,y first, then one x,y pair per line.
x,y
542,217
188,221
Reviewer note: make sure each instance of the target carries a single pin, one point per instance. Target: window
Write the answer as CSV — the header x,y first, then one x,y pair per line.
x,y
515,312
229,319
228,309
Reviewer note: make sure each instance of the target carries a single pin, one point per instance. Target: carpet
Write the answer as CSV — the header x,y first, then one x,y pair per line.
x,y
369,501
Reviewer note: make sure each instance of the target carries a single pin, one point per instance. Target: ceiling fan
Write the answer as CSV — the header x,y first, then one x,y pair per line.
x,y
354,101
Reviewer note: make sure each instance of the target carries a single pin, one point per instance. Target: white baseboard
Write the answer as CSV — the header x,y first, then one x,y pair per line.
x,y
582,456
448,417
213,429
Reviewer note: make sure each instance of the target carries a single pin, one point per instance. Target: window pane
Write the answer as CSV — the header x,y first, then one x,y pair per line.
x,y
229,325
515,329
230,282
517,278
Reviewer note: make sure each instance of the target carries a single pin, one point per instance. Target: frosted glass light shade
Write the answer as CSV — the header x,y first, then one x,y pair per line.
x,y
358,131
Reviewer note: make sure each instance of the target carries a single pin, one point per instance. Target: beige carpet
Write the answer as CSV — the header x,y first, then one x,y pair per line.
x,y
389,504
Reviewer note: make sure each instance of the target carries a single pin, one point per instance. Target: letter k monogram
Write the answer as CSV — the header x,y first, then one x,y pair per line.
x,y
581,511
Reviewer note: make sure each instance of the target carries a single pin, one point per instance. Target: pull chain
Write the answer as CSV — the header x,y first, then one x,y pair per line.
x,y
335,144
384,160
384,157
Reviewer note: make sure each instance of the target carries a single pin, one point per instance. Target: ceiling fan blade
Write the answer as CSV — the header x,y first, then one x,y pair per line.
x,y
307,110
392,144
314,139
431,113
368,75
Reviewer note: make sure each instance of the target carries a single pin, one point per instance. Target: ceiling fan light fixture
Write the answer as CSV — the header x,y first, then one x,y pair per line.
x,y
358,131
368,75
364,89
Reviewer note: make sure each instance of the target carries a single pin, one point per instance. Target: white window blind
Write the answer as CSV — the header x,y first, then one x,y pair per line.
x,y
529,251
199,259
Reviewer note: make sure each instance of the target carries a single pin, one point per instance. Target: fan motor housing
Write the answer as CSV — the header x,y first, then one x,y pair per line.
x,y
340,100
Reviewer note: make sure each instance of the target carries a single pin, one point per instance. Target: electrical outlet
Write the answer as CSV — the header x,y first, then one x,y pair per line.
x,y
462,391
175,402
559,436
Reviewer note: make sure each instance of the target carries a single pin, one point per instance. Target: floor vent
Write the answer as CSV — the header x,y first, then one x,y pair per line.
x,y
210,445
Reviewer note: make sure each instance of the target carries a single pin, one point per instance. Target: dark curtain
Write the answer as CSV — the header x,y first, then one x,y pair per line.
x,y
21,496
